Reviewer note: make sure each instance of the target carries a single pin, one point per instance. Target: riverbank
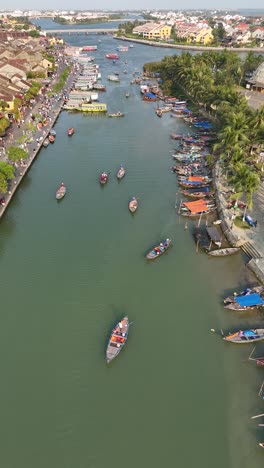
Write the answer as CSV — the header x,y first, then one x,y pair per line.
x,y
189,47
35,145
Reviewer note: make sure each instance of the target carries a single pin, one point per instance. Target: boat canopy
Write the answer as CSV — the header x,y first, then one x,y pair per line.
x,y
201,189
195,179
214,234
250,301
196,206
150,95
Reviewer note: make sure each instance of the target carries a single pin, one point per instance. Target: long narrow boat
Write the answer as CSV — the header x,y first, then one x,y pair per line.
x,y
158,250
246,302
61,191
103,178
71,131
198,193
117,339
197,207
224,252
117,114
121,172
245,292
261,445
245,336
133,205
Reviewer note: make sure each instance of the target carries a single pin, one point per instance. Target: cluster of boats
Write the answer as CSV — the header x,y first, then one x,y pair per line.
x,y
50,139
103,179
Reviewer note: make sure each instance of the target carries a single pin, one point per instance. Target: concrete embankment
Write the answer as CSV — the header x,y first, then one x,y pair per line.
x,y
190,47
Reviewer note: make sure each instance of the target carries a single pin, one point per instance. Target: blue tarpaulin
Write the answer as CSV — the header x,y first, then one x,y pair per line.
x,y
250,300
150,95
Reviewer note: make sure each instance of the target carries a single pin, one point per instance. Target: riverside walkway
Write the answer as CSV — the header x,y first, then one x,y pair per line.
x,y
35,145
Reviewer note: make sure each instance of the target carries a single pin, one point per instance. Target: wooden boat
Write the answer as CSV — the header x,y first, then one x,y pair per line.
x,y
103,178
121,172
245,336
117,114
113,78
224,252
246,302
52,132
245,292
117,339
158,112
133,205
158,250
196,208
70,131
46,143
261,445
51,138
127,95
61,191
198,193
112,56
99,87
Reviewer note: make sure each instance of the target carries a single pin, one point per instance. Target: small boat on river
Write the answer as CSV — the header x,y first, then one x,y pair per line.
x,y
261,445
127,95
197,208
52,132
224,252
71,131
46,143
121,172
114,78
116,114
61,191
158,250
245,292
112,56
117,339
51,138
245,336
103,178
246,302
133,205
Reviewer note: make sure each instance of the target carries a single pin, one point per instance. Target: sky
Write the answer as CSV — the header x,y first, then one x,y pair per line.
x,y
133,4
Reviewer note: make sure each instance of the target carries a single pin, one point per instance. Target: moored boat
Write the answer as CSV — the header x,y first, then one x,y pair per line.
x,y
158,250
52,132
245,336
103,178
197,208
114,78
127,95
61,191
46,143
245,292
71,131
246,302
121,172
224,252
133,205
117,339
51,138
261,445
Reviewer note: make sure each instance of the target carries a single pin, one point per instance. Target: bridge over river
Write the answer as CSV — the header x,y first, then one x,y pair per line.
x,y
82,31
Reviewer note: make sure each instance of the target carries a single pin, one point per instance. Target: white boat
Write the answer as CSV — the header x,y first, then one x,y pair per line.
x,y
113,78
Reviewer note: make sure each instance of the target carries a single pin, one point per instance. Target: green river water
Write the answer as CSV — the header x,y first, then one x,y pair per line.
x,y
177,396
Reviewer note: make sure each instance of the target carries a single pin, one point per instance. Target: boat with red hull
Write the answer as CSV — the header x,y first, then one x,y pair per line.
x,y
103,178
71,131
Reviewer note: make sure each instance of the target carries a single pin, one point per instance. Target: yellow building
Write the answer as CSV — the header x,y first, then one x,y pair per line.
x,y
153,31
202,36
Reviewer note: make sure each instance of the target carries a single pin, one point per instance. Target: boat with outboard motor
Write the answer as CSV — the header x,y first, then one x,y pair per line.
x,y
121,172
103,178
117,339
245,336
133,205
158,250
61,192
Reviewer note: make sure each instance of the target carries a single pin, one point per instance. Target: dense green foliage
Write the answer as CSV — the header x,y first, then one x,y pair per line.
x,y
6,174
32,91
62,80
15,154
4,124
211,81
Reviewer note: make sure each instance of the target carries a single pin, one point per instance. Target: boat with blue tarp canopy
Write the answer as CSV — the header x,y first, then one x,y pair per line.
x,y
246,302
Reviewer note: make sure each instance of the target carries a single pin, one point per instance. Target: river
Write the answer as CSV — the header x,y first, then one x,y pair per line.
x,y
177,395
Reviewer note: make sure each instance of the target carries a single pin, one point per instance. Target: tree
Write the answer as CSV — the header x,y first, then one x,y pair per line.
x,y
34,33
7,170
3,105
15,154
3,183
4,124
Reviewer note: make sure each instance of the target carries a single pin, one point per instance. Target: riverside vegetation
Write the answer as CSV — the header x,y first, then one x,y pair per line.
x,y
211,80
